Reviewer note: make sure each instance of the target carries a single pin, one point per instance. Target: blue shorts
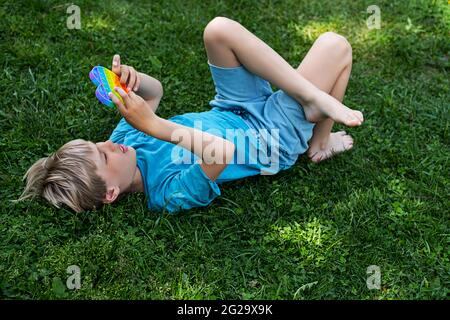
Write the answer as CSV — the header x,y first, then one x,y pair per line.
x,y
244,93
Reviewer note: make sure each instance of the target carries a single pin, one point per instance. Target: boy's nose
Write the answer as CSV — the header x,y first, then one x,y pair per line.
x,y
111,145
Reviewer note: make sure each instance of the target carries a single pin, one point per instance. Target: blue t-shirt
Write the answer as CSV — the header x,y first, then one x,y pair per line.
x,y
174,180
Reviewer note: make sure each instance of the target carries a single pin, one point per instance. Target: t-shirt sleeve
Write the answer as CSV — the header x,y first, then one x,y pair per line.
x,y
118,135
184,190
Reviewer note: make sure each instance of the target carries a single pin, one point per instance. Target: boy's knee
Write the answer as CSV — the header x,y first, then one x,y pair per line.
x,y
336,43
218,29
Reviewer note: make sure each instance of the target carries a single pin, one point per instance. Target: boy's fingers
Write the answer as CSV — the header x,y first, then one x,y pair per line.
x,y
138,82
117,102
125,72
116,60
131,79
132,95
116,64
123,94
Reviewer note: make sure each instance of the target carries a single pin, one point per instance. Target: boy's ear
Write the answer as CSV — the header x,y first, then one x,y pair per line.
x,y
111,194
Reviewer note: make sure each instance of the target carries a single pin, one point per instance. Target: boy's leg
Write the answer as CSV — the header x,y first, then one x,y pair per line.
x,y
328,65
228,43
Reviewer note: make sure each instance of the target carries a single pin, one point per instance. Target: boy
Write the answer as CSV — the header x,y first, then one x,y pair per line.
x,y
141,154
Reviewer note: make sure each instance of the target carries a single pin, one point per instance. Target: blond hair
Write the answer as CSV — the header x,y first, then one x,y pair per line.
x,y
68,176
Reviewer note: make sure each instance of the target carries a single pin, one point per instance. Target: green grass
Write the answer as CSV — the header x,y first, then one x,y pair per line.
x,y
306,233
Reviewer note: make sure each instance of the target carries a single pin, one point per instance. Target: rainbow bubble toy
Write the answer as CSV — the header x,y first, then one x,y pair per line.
x,y
106,81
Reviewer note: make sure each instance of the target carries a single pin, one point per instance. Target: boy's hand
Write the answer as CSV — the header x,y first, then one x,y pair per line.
x,y
128,75
135,110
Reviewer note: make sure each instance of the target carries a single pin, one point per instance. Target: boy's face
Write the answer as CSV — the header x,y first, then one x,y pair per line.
x,y
116,165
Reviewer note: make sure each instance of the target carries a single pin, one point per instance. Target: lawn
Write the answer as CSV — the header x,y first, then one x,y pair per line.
x,y
307,233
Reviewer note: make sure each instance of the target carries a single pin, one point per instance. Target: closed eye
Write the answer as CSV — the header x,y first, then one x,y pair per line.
x,y
101,153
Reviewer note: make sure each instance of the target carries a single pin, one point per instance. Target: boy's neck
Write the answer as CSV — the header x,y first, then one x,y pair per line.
x,y
137,185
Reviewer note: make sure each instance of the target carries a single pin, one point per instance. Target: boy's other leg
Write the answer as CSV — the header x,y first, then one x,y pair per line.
x,y
225,39
328,65
219,53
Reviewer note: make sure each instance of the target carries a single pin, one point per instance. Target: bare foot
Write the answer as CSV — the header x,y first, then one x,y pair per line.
x,y
325,105
337,142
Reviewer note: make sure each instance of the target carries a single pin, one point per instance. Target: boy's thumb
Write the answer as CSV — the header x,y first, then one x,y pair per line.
x,y
117,102
116,64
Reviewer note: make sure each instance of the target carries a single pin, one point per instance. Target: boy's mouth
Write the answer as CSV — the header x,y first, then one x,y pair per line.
x,y
123,148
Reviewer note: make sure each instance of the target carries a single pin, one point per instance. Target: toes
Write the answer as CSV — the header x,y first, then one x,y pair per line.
x,y
315,158
348,141
348,145
320,158
339,142
357,117
360,116
353,123
311,154
352,120
348,138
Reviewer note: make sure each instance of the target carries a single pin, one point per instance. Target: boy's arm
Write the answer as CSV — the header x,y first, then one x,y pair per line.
x,y
150,89
215,152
